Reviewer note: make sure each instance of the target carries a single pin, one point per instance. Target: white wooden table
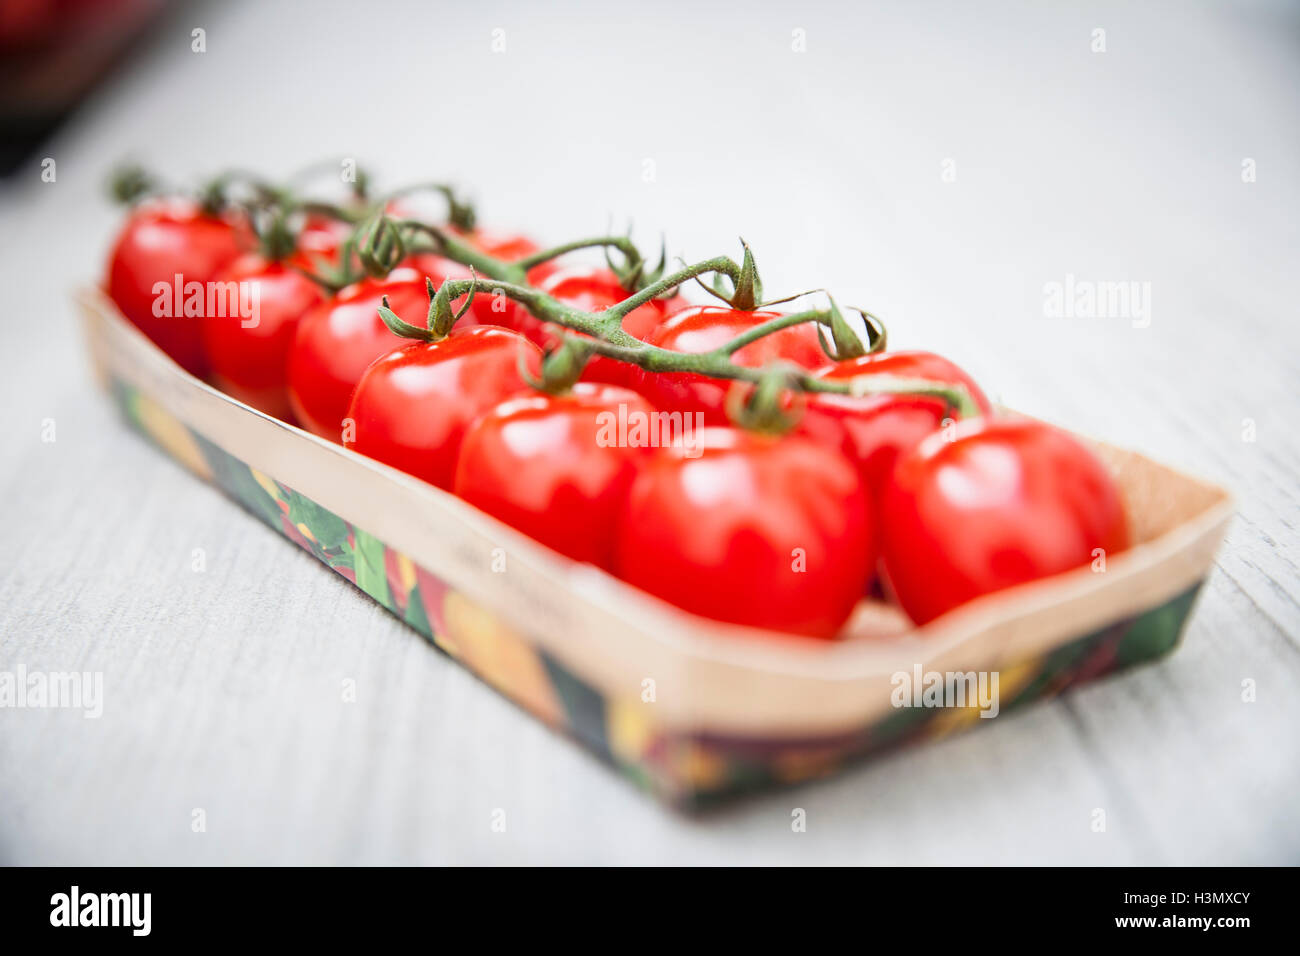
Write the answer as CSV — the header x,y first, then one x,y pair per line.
x,y
939,166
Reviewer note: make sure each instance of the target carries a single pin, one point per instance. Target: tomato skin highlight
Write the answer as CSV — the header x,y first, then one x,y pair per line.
x,y
250,362
701,328
878,428
1004,502
161,240
412,406
337,340
718,534
592,290
552,466
320,238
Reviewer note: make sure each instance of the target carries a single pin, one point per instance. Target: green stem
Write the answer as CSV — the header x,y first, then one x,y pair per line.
x,y
352,215
621,243
957,398
606,337
445,244
721,264
754,333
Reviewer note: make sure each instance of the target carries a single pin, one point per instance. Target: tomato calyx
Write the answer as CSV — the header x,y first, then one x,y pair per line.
x,y
276,238
562,366
214,195
130,183
398,326
746,293
380,246
441,320
333,277
634,273
845,344
383,242
773,406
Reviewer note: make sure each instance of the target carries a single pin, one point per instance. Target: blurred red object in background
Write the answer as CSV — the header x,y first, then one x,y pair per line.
x,y
52,53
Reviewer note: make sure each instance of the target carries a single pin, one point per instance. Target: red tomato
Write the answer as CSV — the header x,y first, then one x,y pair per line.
x,y
877,428
165,242
758,530
1001,502
321,238
440,269
412,406
336,342
249,353
703,327
593,290
506,246
556,467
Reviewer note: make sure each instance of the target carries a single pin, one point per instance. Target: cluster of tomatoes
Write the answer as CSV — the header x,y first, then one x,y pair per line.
x,y
865,493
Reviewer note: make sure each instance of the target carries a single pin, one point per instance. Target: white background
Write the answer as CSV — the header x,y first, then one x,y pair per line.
x,y
222,688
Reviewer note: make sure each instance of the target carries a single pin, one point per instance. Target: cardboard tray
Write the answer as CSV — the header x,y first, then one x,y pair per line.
x,y
689,708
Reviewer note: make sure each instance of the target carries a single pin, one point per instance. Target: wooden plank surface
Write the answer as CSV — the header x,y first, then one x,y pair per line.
x,y
222,687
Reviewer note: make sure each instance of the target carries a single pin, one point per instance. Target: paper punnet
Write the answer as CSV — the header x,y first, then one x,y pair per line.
x,y
689,708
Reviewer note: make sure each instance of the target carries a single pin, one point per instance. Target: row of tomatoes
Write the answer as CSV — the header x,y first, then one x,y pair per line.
x,y
783,532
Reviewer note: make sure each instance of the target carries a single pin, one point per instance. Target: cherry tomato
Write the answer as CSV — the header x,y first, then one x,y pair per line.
x,y
412,406
248,349
321,238
594,290
877,428
337,340
1000,502
502,245
703,327
556,466
162,243
758,530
